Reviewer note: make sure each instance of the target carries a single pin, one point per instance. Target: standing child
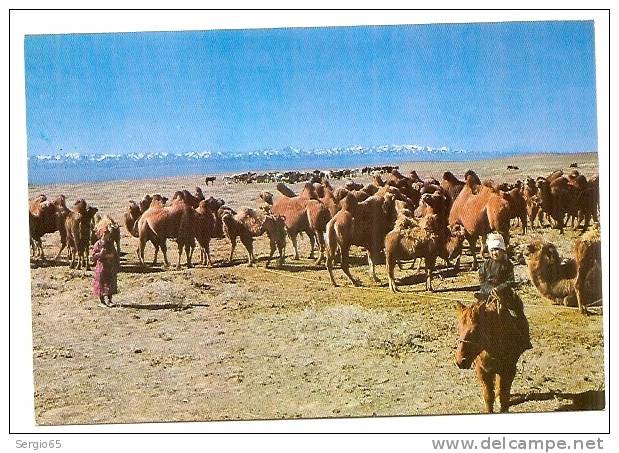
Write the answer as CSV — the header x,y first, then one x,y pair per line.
x,y
106,261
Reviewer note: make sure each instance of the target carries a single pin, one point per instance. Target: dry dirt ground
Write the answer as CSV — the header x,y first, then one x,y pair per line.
x,y
232,342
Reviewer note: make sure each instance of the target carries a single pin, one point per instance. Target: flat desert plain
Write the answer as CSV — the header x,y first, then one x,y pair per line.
x,y
232,342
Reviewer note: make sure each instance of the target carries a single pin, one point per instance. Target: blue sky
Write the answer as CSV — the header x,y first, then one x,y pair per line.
x,y
520,87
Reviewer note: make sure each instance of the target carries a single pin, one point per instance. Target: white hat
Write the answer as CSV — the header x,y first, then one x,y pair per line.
x,y
495,241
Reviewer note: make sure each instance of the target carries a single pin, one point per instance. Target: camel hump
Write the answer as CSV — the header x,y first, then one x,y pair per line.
x,y
251,220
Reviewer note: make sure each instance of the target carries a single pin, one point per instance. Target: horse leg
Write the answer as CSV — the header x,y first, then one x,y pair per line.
x,y
504,381
487,386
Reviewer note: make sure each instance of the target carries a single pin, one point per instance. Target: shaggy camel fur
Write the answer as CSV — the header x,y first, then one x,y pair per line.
x,y
533,201
132,215
420,241
480,209
517,206
364,224
588,256
98,222
451,187
160,222
249,223
304,213
78,225
558,280
450,238
46,216
204,226
585,206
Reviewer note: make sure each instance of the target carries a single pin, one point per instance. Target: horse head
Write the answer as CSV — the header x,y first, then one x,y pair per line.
x,y
470,335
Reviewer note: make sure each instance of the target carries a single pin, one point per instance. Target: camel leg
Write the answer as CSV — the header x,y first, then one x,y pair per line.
x,y
430,262
273,247
345,265
524,222
232,247
164,251
156,253
329,265
578,285
62,247
321,246
192,248
293,239
180,253
249,247
587,219
140,250
504,387
312,239
189,248
472,240
71,258
484,238
39,249
281,248
487,387
372,266
391,271
207,251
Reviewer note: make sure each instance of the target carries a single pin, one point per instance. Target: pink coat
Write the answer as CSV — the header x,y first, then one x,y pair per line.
x,y
106,269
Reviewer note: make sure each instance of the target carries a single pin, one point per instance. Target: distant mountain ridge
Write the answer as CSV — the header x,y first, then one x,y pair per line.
x,y
287,152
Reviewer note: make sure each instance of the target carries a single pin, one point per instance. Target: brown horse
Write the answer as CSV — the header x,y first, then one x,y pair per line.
x,y
487,333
